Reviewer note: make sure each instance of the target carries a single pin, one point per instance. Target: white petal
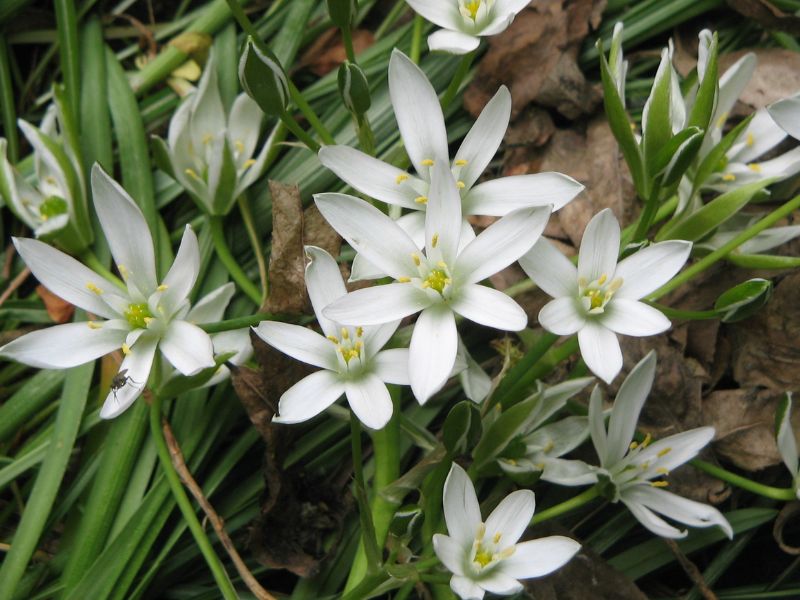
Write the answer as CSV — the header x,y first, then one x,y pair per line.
x,y
683,510
502,243
453,42
433,351
568,472
419,115
370,232
489,307
137,365
511,518
211,307
208,114
597,425
762,134
671,452
309,397
324,284
653,522
236,340
65,346
465,588
600,351
363,270
442,216
187,347
500,196
550,270
413,223
562,316
377,305
299,342
66,277
631,317
786,113
392,366
376,336
176,138
474,380
731,86
443,14
483,140
629,402
183,273
599,247
369,400
244,127
461,510
126,230
536,558
648,269
370,176
499,583
452,554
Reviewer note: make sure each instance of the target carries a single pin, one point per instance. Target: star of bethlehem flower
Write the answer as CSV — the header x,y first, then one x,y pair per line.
x,y
211,152
422,128
636,473
350,356
485,556
600,298
440,281
464,22
142,316
787,444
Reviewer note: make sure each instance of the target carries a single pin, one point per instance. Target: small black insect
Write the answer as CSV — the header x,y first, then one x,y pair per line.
x,y
120,380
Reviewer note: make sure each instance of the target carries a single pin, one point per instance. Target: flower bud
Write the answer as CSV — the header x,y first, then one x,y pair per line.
x,y
343,12
354,88
264,79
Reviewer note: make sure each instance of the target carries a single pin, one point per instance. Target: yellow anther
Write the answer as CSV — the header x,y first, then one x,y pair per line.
x,y
421,199
647,439
634,445
615,284
359,345
664,452
496,538
162,288
400,178
662,470
550,445
659,483
239,146
126,349
434,240
427,162
425,284
123,270
191,173
471,9
359,331
507,552
460,185
147,320
93,288
441,264
207,138
729,177
461,162
333,339
754,167
539,466
750,139
345,333
403,279
248,163
415,258
93,325
482,557
603,279
722,118
582,282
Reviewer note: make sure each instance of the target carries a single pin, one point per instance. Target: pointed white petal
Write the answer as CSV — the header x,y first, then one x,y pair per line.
x,y
443,14
419,115
648,269
502,243
370,232
562,316
452,42
465,588
324,284
236,340
66,277
300,343
177,139
631,317
489,307
652,521
511,518
211,307
244,127
208,113
126,230
497,582
187,347
452,554
369,400
671,452
629,402
786,113
392,366
309,397
442,216
474,380
600,350
731,86
413,223
599,247
137,365
597,425
762,134
377,305
370,176
683,510
433,351
461,511
183,273
483,140
376,336
550,270
568,472
65,346
363,270
500,196
536,558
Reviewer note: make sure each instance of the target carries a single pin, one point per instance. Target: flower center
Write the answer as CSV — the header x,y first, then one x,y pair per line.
x,y
486,552
138,315
596,294
437,279
469,8
52,207
349,346
483,557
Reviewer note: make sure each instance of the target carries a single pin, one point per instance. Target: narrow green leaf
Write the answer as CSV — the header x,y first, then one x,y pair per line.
x,y
95,120
706,99
743,300
460,426
36,392
161,155
500,433
69,52
7,102
656,122
667,153
763,261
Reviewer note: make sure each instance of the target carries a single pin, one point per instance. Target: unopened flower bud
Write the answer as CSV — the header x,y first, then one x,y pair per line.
x,y
264,79
354,88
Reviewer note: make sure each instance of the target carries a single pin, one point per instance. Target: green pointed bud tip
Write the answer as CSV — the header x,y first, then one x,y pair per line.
x,y
264,79
343,12
354,88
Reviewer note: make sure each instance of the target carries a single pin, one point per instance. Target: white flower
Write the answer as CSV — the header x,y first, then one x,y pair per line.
x,y
348,356
485,556
422,127
787,444
465,21
140,317
786,113
627,468
440,281
601,298
211,152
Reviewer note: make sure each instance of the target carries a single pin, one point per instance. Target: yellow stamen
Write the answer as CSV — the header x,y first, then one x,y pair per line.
x,y
123,270
415,258
659,483
722,118
662,471
664,452
750,139
162,288
93,325
403,279
634,445
434,240
400,178
427,162
729,177
359,331
345,334
333,339
248,163
755,167
207,138
496,538
603,279
147,320
461,162
647,439
93,288
126,349
421,199
239,146
191,173
460,185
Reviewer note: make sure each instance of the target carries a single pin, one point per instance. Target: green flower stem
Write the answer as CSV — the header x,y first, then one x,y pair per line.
x,y
566,506
458,77
690,315
69,52
7,103
239,322
299,133
220,576
90,260
705,262
646,218
368,547
310,115
224,254
249,225
785,494
416,39
347,38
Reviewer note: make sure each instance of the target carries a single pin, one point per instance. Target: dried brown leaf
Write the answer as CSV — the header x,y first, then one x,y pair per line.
x,y
318,232
287,290
767,15
59,310
327,52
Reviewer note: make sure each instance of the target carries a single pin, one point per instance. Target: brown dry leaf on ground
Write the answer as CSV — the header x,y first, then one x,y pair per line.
x,y
536,58
59,310
767,15
287,290
327,52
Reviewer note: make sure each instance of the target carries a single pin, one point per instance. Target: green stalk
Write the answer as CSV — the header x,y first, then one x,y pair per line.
x,y
231,264
510,382
347,37
7,102
220,576
458,77
299,133
237,323
705,262
566,506
785,494
48,480
690,315
310,115
69,52
388,23
416,39
255,243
